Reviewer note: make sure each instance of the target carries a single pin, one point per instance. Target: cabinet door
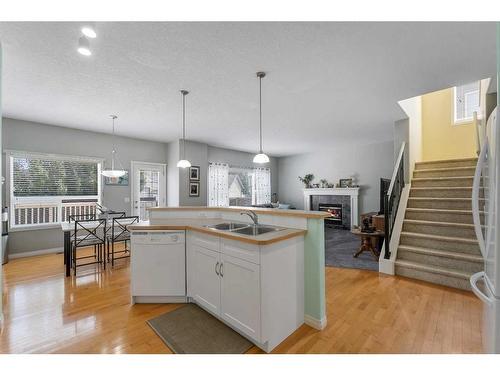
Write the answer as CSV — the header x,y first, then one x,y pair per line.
x,y
240,295
206,282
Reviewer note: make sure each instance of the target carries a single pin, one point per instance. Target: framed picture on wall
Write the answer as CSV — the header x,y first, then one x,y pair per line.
x,y
194,189
345,182
117,181
194,173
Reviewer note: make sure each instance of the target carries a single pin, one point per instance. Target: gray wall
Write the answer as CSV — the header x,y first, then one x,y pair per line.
x,y
365,163
172,174
402,134
30,136
197,154
201,154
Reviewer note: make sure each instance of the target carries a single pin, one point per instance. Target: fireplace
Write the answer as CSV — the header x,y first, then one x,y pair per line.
x,y
335,211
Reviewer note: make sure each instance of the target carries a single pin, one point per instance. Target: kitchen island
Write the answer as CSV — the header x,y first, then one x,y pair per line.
x,y
264,285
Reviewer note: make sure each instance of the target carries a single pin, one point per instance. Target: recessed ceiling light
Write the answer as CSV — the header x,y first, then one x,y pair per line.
x,y
89,32
84,46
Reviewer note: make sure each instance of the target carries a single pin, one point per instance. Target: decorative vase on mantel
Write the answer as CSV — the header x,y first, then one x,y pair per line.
x,y
306,180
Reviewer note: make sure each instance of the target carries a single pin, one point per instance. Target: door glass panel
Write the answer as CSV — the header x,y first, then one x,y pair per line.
x,y
149,187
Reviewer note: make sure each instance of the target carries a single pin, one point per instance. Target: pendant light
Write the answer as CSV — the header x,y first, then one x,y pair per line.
x,y
183,162
260,158
84,46
114,173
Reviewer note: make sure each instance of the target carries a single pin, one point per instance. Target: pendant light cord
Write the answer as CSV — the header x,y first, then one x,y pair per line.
x,y
113,117
260,112
183,126
184,93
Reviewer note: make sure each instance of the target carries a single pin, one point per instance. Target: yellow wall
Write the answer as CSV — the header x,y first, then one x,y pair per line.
x,y
441,139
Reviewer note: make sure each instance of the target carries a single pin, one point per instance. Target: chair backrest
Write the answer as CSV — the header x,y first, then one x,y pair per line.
x,y
120,225
113,214
86,231
89,216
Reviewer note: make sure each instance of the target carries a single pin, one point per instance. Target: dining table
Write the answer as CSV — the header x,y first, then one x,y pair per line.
x,y
68,229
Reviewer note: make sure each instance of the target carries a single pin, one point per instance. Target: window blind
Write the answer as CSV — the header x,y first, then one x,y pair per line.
x,y
35,176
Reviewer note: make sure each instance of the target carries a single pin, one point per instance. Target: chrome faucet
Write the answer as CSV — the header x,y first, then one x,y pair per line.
x,y
252,215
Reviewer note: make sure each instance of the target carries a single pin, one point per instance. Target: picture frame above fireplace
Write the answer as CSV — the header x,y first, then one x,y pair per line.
x,y
345,182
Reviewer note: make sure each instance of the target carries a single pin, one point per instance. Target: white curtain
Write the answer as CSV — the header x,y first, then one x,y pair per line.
x,y
262,186
218,179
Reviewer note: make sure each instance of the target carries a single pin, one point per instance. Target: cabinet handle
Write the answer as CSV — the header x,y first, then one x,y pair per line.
x,y
220,269
216,271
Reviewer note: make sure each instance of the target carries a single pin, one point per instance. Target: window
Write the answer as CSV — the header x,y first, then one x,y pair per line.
x,y
46,189
241,181
466,102
238,186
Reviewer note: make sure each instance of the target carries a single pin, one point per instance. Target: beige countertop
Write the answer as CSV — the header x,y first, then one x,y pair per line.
x,y
198,226
264,211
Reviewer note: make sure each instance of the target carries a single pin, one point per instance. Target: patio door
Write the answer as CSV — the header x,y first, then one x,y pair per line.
x,y
148,187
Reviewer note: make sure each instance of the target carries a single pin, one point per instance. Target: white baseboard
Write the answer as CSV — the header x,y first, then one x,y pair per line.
x,y
318,324
36,252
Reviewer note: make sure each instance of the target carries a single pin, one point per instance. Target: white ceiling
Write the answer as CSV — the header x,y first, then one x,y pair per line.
x,y
327,82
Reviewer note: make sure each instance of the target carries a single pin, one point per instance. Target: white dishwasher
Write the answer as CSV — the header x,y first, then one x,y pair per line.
x,y
158,266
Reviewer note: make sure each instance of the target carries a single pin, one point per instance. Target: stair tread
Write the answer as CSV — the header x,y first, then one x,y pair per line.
x,y
441,210
438,237
442,253
439,223
442,188
442,198
444,169
434,269
441,178
445,161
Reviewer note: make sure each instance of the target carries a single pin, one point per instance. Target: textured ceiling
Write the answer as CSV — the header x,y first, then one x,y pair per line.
x,y
327,82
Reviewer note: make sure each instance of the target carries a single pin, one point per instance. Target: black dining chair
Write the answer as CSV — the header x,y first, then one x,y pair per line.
x,y
120,233
89,232
87,216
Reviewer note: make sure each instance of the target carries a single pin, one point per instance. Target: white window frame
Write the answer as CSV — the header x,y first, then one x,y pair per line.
x,y
10,154
466,120
252,170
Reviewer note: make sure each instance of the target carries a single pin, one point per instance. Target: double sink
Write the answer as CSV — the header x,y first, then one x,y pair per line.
x,y
245,229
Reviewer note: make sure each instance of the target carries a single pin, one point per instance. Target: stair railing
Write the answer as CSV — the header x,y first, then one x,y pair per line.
x,y
484,208
392,198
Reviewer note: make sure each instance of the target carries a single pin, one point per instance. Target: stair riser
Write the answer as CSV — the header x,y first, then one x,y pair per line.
x,y
442,193
459,182
434,278
442,217
444,173
439,230
431,243
433,260
446,164
443,205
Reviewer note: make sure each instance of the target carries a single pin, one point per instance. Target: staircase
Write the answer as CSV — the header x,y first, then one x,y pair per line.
x,y
438,243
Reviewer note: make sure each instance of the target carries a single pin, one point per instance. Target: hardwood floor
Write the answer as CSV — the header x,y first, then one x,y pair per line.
x,y
367,313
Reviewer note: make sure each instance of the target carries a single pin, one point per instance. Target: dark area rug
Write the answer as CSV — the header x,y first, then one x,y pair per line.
x,y
341,245
191,330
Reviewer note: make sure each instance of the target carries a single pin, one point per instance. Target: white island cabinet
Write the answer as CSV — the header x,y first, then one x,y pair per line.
x,y
256,289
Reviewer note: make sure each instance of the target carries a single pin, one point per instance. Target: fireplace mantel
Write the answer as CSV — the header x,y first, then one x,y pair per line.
x,y
352,192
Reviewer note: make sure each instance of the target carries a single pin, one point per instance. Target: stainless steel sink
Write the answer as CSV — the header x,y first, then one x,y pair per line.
x,y
255,230
227,226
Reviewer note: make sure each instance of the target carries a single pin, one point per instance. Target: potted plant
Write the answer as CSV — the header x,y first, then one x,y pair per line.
x,y
306,180
324,183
